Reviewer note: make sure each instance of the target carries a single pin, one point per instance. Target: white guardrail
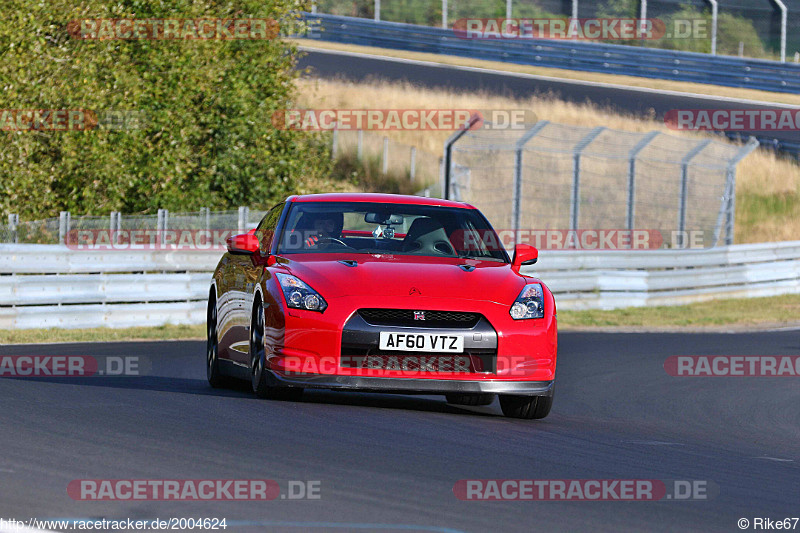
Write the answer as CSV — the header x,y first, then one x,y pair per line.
x,y
47,286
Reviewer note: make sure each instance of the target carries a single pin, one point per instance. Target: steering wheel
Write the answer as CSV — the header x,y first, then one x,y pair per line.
x,y
332,239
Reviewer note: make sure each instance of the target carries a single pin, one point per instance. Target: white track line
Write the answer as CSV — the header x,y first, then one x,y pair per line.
x,y
645,90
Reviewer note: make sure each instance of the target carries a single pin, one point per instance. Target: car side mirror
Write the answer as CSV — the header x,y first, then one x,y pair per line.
x,y
524,254
244,244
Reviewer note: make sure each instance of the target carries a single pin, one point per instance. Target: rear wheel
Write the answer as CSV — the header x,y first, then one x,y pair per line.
x,y
215,377
467,398
258,361
525,406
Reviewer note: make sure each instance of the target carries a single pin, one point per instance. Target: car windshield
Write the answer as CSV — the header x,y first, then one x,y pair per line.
x,y
387,228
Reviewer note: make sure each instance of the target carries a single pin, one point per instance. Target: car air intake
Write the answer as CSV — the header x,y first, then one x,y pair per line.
x,y
419,318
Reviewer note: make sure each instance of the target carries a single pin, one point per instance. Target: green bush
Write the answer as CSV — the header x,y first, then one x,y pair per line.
x,y
206,138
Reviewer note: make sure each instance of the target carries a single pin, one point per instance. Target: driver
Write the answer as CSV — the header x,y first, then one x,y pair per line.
x,y
325,229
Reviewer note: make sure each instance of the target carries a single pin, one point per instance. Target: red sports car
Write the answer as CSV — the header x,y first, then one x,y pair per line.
x,y
382,293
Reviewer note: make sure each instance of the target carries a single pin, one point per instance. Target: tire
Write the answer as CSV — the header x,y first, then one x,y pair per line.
x,y
215,377
468,398
258,360
528,407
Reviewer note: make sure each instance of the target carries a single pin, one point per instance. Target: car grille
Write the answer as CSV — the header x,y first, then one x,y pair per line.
x,y
433,319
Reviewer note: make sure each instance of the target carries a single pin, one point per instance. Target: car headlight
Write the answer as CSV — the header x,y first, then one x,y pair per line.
x,y
299,295
529,303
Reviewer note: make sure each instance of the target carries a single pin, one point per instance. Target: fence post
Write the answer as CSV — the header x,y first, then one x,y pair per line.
x,y
714,19
413,171
335,143
207,214
508,9
783,9
243,214
575,197
13,224
377,10
385,155
448,153
516,195
161,225
684,195
444,14
63,226
360,145
647,139
730,211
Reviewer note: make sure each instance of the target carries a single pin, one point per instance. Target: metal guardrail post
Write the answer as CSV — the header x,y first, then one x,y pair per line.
x,y
444,14
335,143
684,194
377,10
448,152
516,199
508,9
13,225
575,198
631,211
413,171
360,145
63,226
730,220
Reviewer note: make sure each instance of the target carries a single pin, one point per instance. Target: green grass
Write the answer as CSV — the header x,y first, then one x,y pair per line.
x,y
774,311
47,336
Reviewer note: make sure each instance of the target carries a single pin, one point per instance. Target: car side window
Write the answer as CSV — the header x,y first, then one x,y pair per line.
x,y
266,228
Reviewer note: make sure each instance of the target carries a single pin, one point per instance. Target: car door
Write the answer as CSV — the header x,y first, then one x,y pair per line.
x,y
247,270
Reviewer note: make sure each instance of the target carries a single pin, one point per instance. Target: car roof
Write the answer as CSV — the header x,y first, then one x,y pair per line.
x,y
377,197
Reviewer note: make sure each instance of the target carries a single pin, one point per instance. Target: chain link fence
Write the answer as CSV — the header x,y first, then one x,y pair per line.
x,y
556,177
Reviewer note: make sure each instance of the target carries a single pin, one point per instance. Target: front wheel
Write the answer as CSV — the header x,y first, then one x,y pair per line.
x,y
215,377
529,407
258,362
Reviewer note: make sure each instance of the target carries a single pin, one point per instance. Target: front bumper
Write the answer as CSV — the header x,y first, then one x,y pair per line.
x,y
408,385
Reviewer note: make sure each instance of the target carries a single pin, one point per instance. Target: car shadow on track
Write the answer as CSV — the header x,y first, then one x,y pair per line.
x,y
427,403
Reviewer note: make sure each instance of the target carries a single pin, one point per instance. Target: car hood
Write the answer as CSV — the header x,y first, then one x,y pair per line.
x,y
403,275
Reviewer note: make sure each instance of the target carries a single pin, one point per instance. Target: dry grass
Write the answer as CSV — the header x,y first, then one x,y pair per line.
x,y
632,81
768,186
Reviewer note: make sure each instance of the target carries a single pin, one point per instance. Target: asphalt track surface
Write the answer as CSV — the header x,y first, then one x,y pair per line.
x,y
389,462
638,102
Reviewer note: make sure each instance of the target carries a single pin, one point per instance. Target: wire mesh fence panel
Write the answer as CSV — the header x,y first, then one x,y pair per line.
x,y
38,231
571,178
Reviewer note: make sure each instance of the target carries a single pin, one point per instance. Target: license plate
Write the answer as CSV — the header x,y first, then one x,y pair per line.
x,y
421,342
